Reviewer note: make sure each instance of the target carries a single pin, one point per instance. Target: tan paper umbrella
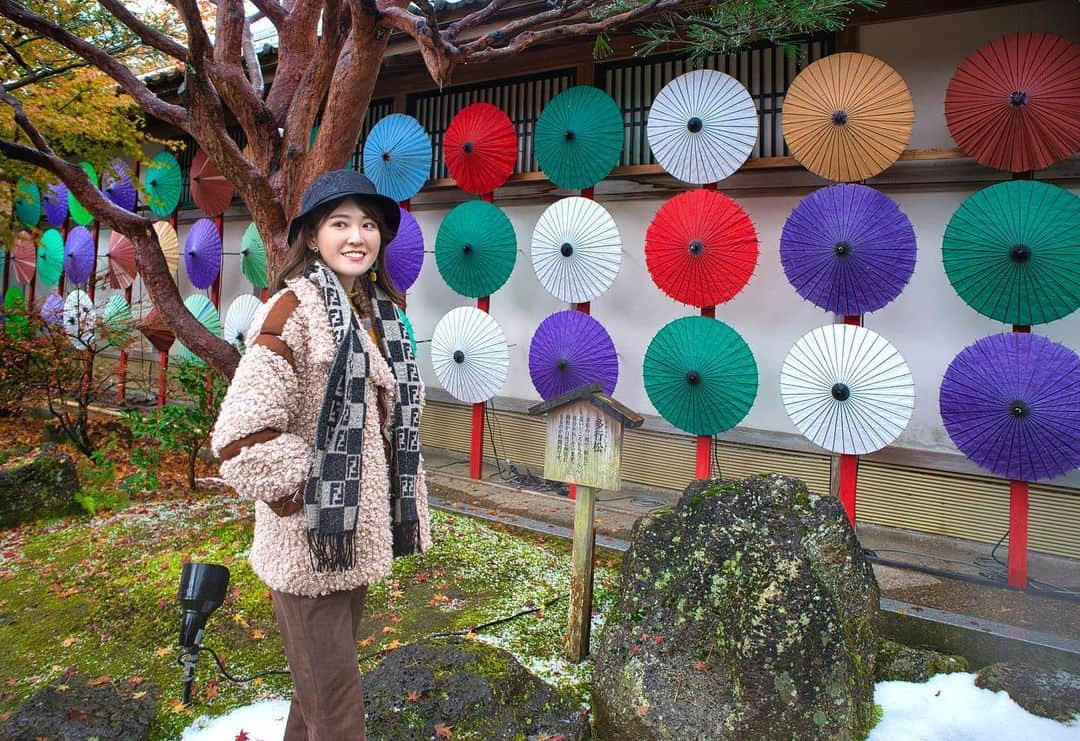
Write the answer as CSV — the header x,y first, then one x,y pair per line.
x,y
211,191
154,329
170,244
121,269
847,117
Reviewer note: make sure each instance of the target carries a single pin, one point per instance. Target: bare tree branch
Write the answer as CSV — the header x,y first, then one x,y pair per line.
x,y
297,46
561,11
148,35
439,55
42,74
15,55
272,10
251,61
229,31
475,18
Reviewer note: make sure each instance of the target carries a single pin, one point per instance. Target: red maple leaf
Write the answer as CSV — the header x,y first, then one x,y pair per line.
x,y
242,736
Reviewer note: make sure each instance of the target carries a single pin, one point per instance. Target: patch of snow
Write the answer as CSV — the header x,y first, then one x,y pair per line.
x,y
263,721
949,707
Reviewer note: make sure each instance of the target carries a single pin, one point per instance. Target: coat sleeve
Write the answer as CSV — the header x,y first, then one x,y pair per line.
x,y
260,457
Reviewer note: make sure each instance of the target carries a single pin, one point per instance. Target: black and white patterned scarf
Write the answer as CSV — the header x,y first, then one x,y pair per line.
x,y
332,494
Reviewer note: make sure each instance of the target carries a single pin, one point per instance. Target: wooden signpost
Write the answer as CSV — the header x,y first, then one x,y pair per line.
x,y
584,447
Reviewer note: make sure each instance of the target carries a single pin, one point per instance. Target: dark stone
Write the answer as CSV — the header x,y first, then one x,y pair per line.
x,y
747,612
75,711
1049,693
899,663
36,485
478,690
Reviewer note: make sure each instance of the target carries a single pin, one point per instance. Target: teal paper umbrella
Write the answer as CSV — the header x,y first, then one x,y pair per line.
x,y
50,257
27,203
118,323
579,137
163,182
207,315
79,214
1012,252
253,257
408,329
15,322
475,249
700,375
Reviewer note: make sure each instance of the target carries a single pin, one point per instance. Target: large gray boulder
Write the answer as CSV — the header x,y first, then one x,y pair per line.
x,y
38,484
748,612
1051,693
899,663
81,710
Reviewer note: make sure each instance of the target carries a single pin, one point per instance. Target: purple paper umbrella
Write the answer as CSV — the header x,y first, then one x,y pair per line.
x,y
405,253
56,204
202,253
117,185
52,311
1011,403
571,349
79,255
848,249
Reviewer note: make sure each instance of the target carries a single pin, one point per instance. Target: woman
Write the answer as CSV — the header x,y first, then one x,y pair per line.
x,y
320,427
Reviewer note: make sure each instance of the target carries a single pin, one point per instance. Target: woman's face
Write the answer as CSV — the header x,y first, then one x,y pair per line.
x,y
349,242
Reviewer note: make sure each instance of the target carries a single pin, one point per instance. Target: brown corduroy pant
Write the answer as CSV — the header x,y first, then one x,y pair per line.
x,y
319,634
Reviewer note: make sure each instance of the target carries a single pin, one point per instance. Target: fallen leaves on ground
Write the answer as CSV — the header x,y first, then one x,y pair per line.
x,y
443,731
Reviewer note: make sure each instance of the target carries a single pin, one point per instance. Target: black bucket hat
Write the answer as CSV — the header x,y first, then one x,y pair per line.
x,y
341,184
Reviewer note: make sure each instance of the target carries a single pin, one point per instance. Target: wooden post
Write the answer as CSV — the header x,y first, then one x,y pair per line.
x,y
581,579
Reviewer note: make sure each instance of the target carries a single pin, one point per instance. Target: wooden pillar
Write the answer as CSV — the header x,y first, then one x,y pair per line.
x,y
581,579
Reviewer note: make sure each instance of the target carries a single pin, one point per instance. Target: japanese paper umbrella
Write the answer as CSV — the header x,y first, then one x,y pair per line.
x,y
570,349
579,137
117,321
120,268
117,186
15,321
702,126
480,148
700,375
79,255
238,320
52,310
397,156
848,249
405,253
469,354
1014,104
55,203
78,212
164,182
1011,403
80,319
156,331
50,257
847,116
209,189
207,315
701,248
847,389
202,253
1012,252
27,203
475,249
253,257
576,249
24,256
169,243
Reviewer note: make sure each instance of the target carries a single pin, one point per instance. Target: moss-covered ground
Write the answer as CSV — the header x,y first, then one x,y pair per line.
x,y
97,596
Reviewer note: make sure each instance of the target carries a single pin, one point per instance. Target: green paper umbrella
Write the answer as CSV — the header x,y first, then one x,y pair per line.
x,y
164,183
80,215
408,328
579,137
253,257
15,321
118,322
27,203
1012,252
475,249
207,315
700,375
50,257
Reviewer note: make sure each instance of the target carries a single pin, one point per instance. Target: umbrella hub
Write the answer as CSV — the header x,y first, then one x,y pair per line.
x,y
694,125
1019,409
697,247
693,378
842,248
1020,253
563,364
466,248
569,135
467,147
566,249
459,357
839,118
840,391
385,156
1018,99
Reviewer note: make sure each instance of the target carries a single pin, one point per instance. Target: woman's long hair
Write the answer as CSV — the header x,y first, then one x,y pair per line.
x,y
300,254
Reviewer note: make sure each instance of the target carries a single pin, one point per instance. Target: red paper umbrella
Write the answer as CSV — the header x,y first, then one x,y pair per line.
x,y
121,271
480,148
1014,105
211,191
701,248
25,258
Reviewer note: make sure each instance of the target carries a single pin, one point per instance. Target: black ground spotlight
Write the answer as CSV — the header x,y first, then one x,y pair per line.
x,y
202,590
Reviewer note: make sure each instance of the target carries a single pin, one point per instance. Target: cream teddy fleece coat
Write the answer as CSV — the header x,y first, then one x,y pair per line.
x,y
265,436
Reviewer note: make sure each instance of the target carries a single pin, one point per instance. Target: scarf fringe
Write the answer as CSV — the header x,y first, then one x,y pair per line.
x,y
332,552
406,539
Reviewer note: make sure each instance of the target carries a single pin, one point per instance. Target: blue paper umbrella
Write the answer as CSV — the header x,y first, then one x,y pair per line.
x,y
55,202
79,255
202,253
405,253
117,186
397,156
207,316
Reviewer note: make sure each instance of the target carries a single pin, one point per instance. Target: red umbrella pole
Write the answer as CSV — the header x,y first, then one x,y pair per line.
x,y
63,233
163,378
849,464
215,289
1018,521
476,447
7,271
91,288
121,381
703,467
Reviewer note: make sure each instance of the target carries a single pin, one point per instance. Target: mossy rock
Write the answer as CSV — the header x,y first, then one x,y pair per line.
x,y
899,663
1049,693
37,485
80,709
477,690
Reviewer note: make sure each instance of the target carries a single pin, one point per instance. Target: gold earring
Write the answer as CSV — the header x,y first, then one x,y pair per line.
x,y
373,275
313,247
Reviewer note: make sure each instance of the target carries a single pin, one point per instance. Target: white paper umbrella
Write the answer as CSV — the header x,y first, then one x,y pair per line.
x,y
847,389
238,320
576,249
469,354
79,319
702,126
